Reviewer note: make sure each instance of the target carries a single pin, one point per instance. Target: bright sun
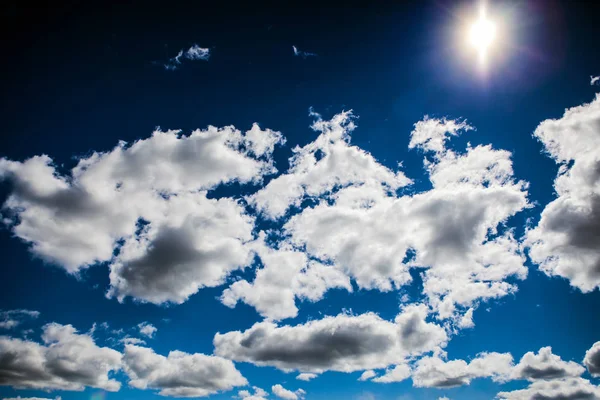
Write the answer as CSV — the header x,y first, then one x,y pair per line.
x,y
482,35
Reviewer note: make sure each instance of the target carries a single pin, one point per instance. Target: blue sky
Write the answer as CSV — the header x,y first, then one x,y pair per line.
x,y
433,242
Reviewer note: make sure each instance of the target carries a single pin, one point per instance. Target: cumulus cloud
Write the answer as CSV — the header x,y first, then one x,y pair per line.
x,y
545,365
565,241
303,54
66,360
287,274
259,394
594,80
558,389
180,374
365,376
144,209
306,376
435,372
592,360
396,374
12,318
147,329
342,343
361,225
285,394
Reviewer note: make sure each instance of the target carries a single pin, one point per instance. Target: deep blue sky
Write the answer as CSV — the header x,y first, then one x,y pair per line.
x,y
80,77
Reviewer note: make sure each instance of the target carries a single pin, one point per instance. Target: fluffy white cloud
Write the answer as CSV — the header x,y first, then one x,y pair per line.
x,y
66,361
285,394
558,389
545,365
592,360
287,274
594,80
197,53
259,394
342,343
147,329
12,318
365,376
396,374
435,372
180,374
151,198
363,228
565,241
306,376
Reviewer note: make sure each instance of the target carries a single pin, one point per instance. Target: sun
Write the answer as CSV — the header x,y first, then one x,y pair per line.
x,y
482,35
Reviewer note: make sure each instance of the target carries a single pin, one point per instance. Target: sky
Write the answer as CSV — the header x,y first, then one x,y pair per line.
x,y
300,201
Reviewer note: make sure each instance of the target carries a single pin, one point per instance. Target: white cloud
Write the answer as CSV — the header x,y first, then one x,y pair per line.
x,y
287,274
31,398
396,374
147,329
565,241
545,365
66,361
365,376
12,318
180,374
197,53
559,389
435,372
132,340
151,197
303,54
342,343
594,80
361,227
592,360
259,394
306,376
285,394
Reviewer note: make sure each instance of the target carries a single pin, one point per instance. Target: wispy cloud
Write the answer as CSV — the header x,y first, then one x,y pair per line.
x,y
303,54
595,80
194,53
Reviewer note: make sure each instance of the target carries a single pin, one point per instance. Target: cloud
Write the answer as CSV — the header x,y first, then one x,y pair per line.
x,y
565,241
435,372
342,343
592,360
306,376
197,53
545,365
31,398
303,54
285,394
356,202
147,329
66,361
594,80
259,394
194,53
559,389
396,374
12,318
144,209
180,374
367,375
287,274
